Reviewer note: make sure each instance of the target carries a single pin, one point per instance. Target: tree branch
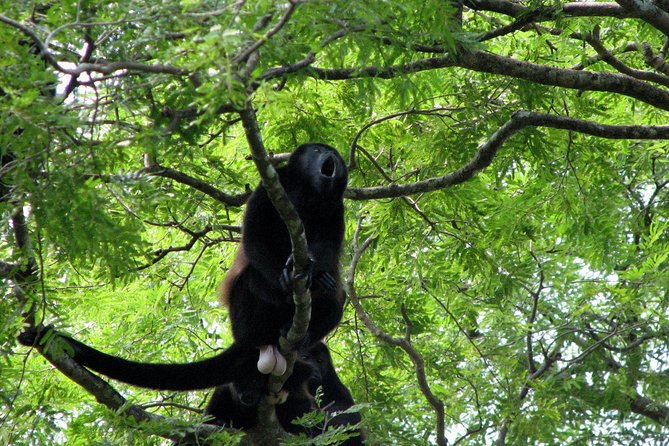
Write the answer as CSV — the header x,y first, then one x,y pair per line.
x,y
484,62
404,343
574,9
267,429
550,360
160,254
104,68
180,177
244,55
108,396
609,58
638,404
650,409
486,152
648,12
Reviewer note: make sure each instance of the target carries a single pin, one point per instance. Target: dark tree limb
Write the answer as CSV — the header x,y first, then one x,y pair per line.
x,y
573,9
486,152
565,78
484,62
648,12
108,396
180,177
267,431
650,409
289,215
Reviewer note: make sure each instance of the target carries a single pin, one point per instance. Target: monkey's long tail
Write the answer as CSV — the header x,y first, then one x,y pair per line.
x,y
225,367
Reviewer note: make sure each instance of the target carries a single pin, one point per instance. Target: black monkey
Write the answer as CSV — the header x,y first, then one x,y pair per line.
x,y
257,287
227,408
335,397
312,371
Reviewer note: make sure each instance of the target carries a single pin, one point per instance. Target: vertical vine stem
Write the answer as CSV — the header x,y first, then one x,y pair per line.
x,y
298,238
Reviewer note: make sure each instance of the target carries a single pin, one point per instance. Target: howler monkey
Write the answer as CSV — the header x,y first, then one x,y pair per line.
x,y
257,288
313,370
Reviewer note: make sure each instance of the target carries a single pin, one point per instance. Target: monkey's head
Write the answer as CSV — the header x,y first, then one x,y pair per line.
x,y
321,167
318,356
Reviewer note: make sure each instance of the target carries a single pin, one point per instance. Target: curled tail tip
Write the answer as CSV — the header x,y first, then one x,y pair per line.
x,y
32,336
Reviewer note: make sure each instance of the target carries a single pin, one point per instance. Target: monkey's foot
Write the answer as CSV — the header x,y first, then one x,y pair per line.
x,y
271,361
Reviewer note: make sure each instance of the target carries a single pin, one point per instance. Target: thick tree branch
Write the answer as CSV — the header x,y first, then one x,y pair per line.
x,y
484,62
565,78
486,153
648,12
108,396
267,431
596,9
650,409
574,9
289,215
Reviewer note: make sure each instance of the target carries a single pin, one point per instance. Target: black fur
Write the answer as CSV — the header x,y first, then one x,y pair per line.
x,y
336,397
235,363
314,179
314,370
260,309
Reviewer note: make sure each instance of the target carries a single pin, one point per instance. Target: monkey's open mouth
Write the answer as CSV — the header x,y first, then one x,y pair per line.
x,y
328,167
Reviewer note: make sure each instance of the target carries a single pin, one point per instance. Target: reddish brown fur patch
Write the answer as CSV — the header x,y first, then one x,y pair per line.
x,y
239,263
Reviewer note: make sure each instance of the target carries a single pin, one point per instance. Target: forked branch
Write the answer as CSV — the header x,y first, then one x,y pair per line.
x,y
487,151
